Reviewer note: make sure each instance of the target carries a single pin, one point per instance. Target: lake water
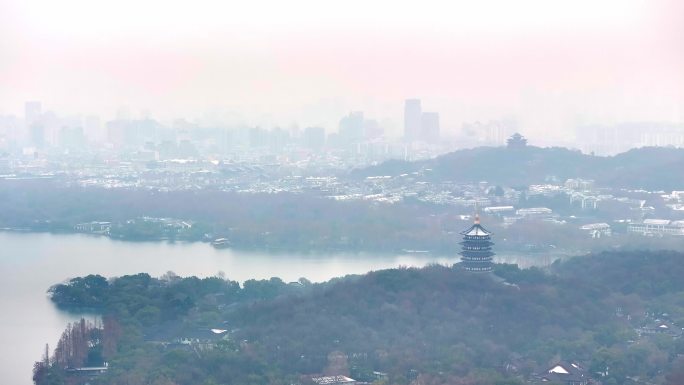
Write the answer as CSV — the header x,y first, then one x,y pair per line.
x,y
31,262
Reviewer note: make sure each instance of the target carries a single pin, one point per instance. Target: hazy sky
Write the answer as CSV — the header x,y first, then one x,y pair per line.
x,y
547,63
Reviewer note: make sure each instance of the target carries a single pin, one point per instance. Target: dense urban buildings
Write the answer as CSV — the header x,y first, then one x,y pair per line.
x,y
412,119
430,127
419,125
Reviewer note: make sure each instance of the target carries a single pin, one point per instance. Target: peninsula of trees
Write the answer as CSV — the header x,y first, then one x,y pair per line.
x,y
619,315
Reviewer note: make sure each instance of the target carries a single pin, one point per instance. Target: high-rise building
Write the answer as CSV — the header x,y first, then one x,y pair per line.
x,y
32,112
491,133
72,137
351,128
93,129
278,138
372,129
430,127
314,138
35,131
37,135
412,119
9,129
258,137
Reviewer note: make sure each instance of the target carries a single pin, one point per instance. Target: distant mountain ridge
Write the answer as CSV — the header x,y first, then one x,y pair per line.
x,y
653,168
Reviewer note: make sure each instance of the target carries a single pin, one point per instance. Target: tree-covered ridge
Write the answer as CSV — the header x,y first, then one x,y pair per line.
x,y
644,168
435,325
301,222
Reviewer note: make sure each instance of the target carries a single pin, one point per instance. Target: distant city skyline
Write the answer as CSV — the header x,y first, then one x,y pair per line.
x,y
548,65
44,130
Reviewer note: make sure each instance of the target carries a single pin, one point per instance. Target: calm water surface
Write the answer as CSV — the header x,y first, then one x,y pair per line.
x,y
30,263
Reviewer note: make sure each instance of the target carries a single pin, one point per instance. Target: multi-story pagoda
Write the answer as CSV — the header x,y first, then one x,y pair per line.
x,y
476,248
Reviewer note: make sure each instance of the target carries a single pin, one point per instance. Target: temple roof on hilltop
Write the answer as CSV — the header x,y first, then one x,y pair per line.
x,y
565,373
476,230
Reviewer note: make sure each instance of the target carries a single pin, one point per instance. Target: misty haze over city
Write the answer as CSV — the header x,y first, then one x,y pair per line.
x,y
342,193
548,66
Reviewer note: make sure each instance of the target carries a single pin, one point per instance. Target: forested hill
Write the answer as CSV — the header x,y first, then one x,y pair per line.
x,y
647,168
435,325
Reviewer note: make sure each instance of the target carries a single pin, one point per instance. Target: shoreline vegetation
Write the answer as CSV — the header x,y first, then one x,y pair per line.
x,y
543,248
311,220
277,250
619,315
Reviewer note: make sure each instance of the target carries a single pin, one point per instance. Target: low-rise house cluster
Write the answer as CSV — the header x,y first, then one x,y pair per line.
x,y
565,373
657,227
95,227
597,230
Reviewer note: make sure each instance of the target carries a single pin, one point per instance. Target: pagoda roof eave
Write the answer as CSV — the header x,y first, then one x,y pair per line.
x,y
476,230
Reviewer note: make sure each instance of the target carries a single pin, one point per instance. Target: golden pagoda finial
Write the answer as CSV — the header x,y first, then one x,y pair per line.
x,y
477,213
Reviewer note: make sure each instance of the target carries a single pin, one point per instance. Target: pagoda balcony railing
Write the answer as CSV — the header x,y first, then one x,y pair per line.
x,y
476,242
482,269
476,252
477,237
477,248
